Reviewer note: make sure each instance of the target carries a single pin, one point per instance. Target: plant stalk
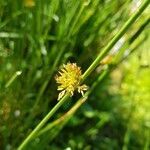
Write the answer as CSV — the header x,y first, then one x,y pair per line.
x,y
42,123
115,39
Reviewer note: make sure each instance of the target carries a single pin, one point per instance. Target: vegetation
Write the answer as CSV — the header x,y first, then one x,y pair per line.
x,y
108,40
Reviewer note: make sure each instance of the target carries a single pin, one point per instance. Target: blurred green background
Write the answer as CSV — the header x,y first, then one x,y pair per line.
x,y
38,36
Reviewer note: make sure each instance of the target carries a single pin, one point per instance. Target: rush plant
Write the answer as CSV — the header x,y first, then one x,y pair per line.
x,y
70,87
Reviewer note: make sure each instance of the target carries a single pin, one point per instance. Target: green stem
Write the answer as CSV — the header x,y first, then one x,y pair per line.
x,y
79,102
42,123
115,39
10,81
89,70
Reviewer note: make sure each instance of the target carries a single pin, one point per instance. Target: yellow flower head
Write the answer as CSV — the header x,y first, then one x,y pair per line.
x,y
69,79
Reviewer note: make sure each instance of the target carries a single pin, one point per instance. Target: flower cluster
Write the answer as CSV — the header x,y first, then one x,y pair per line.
x,y
69,80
